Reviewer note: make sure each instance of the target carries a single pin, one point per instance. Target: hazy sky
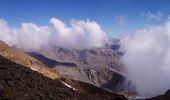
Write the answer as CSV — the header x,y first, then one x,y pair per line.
x,y
114,16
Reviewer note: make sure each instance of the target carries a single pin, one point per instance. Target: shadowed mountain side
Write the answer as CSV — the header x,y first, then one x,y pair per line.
x,y
115,80
19,82
50,62
165,96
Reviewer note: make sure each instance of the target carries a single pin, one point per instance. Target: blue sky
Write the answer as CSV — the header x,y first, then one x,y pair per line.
x,y
114,16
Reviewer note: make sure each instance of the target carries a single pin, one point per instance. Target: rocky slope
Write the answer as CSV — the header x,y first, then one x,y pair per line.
x,y
96,58
97,66
28,61
18,82
165,96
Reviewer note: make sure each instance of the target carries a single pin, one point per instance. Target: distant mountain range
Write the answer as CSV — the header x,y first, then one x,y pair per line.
x,y
97,66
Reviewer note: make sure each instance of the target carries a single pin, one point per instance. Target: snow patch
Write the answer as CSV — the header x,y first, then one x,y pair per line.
x,y
69,86
35,68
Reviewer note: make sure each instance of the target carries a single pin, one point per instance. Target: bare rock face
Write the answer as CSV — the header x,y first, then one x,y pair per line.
x,y
107,56
97,66
18,82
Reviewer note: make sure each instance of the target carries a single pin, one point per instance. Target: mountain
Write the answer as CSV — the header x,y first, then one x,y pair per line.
x,y
50,62
97,66
165,96
18,82
25,60
107,56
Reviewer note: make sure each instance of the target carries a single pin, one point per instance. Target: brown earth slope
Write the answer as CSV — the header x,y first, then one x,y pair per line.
x,y
18,82
25,60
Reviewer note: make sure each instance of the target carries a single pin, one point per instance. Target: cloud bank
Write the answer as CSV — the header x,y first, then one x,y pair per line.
x,y
147,59
79,34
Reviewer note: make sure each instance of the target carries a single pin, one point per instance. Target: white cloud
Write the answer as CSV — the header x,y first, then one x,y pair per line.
x,y
152,16
31,36
5,32
147,59
79,34
121,19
